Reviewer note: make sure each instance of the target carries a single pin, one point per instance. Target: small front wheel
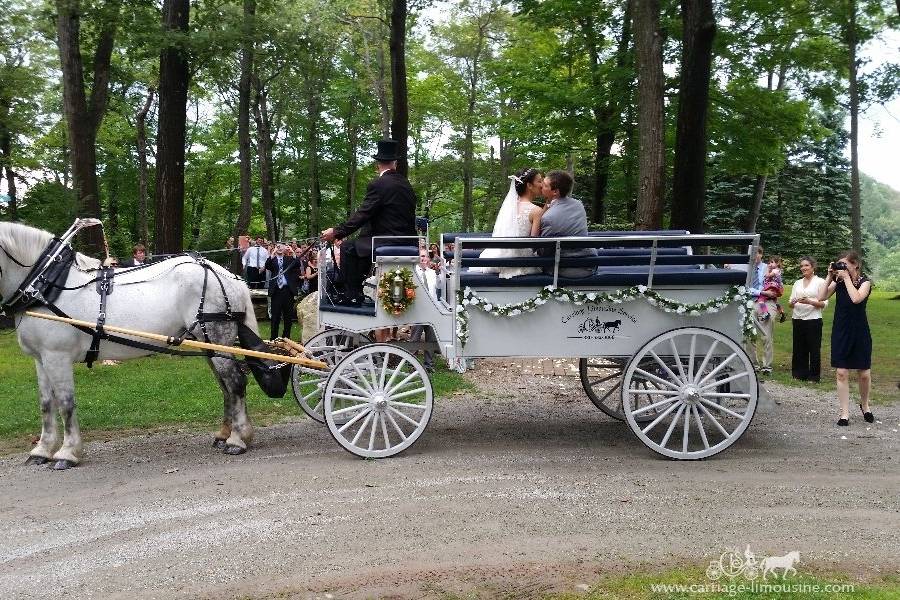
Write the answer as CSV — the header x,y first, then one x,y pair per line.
x,y
378,401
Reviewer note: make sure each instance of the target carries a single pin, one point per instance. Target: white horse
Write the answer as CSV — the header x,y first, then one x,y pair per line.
x,y
161,298
786,562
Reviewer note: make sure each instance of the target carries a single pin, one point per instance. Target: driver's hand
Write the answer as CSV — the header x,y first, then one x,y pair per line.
x,y
328,235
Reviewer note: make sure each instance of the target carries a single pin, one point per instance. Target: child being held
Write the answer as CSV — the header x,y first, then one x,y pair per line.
x,y
772,289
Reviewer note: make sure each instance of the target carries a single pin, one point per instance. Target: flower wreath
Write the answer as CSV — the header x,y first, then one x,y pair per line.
x,y
738,294
386,290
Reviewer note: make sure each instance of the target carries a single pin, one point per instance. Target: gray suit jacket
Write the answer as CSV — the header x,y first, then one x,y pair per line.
x,y
566,217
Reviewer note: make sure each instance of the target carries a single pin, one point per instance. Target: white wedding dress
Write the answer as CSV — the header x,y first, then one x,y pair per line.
x,y
513,220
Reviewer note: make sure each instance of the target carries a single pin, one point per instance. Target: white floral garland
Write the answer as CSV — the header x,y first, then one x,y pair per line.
x,y
735,293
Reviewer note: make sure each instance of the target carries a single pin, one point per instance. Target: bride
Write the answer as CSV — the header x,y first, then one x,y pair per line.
x,y
518,217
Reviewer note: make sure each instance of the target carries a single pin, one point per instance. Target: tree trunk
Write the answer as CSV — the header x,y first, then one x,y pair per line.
x,y
855,216
352,149
759,189
245,212
689,177
400,123
648,43
141,126
6,159
174,78
83,114
12,207
264,154
315,187
468,177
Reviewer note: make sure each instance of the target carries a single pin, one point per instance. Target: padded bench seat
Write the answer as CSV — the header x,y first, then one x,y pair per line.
x,y
612,277
397,251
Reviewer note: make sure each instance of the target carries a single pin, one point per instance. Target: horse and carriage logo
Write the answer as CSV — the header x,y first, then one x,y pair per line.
x,y
597,322
733,563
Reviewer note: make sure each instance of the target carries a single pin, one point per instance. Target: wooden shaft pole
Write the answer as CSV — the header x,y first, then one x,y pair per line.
x,y
297,360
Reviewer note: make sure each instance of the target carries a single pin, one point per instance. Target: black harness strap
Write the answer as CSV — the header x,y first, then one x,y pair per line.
x,y
104,288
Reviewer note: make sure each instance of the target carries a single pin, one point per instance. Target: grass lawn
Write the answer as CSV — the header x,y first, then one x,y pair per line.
x,y
814,587
883,312
158,391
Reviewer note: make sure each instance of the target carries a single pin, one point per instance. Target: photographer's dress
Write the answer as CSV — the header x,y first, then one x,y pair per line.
x,y
851,340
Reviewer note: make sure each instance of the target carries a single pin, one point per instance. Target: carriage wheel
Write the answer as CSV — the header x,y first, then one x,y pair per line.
x,y
330,347
694,419
601,379
378,401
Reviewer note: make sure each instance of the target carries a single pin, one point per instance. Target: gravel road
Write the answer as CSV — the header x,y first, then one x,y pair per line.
x,y
521,485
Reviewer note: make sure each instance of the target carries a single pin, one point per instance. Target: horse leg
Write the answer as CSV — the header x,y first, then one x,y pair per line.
x,y
233,382
62,379
225,430
49,441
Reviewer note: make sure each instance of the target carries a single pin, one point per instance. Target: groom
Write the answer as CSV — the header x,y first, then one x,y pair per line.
x,y
564,216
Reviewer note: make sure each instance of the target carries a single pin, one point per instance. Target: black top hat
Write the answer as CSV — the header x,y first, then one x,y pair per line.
x,y
387,150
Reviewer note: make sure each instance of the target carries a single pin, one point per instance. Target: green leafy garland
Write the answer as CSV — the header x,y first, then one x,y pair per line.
x,y
385,293
735,293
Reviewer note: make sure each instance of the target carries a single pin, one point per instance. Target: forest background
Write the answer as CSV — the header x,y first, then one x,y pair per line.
x,y
182,124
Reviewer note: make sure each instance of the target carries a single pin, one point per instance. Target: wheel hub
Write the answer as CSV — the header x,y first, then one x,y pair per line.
x,y
379,402
691,394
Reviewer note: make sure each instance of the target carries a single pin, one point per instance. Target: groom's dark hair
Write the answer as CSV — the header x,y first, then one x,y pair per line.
x,y
561,181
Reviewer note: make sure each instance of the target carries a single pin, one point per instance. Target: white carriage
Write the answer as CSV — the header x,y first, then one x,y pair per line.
x,y
658,331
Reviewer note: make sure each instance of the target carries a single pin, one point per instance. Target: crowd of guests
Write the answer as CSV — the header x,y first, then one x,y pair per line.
x,y
851,338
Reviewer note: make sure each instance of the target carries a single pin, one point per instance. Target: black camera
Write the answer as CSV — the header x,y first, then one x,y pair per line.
x,y
839,266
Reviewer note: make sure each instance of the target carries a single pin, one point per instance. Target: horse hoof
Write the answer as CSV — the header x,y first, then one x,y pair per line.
x,y
219,443
234,450
63,464
37,460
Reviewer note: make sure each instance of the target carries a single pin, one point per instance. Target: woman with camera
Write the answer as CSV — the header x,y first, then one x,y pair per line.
x,y
851,340
806,318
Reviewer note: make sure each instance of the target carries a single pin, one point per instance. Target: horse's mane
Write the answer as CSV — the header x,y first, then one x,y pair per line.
x,y
25,243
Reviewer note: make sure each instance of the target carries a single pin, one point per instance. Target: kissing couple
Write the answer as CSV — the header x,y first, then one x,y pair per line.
x,y
561,216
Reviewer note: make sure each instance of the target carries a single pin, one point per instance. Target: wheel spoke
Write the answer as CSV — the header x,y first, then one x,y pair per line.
x,y
671,428
403,416
387,442
397,371
709,355
354,385
407,405
717,369
664,366
721,408
691,358
407,394
696,414
715,421
726,395
602,379
372,435
353,420
648,391
362,378
383,375
397,427
348,409
719,382
653,406
677,358
659,418
350,397
656,379
685,436
362,427
406,380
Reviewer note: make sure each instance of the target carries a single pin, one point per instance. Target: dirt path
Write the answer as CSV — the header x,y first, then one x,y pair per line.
x,y
522,486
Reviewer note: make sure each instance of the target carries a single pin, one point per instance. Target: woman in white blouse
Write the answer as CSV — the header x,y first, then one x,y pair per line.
x,y
806,317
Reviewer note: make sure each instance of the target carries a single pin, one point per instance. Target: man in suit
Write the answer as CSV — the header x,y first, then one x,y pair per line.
x,y
283,288
389,208
564,216
138,257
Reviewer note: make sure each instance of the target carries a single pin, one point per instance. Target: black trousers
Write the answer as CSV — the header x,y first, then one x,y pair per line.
x,y
282,308
806,361
255,278
355,269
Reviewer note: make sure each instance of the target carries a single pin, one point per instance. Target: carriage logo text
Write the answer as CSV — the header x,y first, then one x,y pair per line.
x,y
733,563
597,321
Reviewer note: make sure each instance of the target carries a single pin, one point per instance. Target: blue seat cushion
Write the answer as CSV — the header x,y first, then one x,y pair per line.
x,y
612,277
397,251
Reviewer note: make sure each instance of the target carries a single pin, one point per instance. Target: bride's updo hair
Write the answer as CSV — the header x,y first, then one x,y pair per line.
x,y
523,177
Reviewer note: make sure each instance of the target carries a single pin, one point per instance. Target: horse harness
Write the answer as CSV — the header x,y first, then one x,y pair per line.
x,y
47,280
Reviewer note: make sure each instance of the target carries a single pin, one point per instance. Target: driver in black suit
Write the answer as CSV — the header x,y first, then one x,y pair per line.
x,y
389,208
283,287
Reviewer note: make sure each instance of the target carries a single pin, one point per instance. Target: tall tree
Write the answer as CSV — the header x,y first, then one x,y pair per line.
x,y
648,43
174,78
852,39
689,176
85,113
400,122
141,127
244,90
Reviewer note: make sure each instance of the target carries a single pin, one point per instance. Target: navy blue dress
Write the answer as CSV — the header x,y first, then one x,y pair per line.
x,y
851,340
